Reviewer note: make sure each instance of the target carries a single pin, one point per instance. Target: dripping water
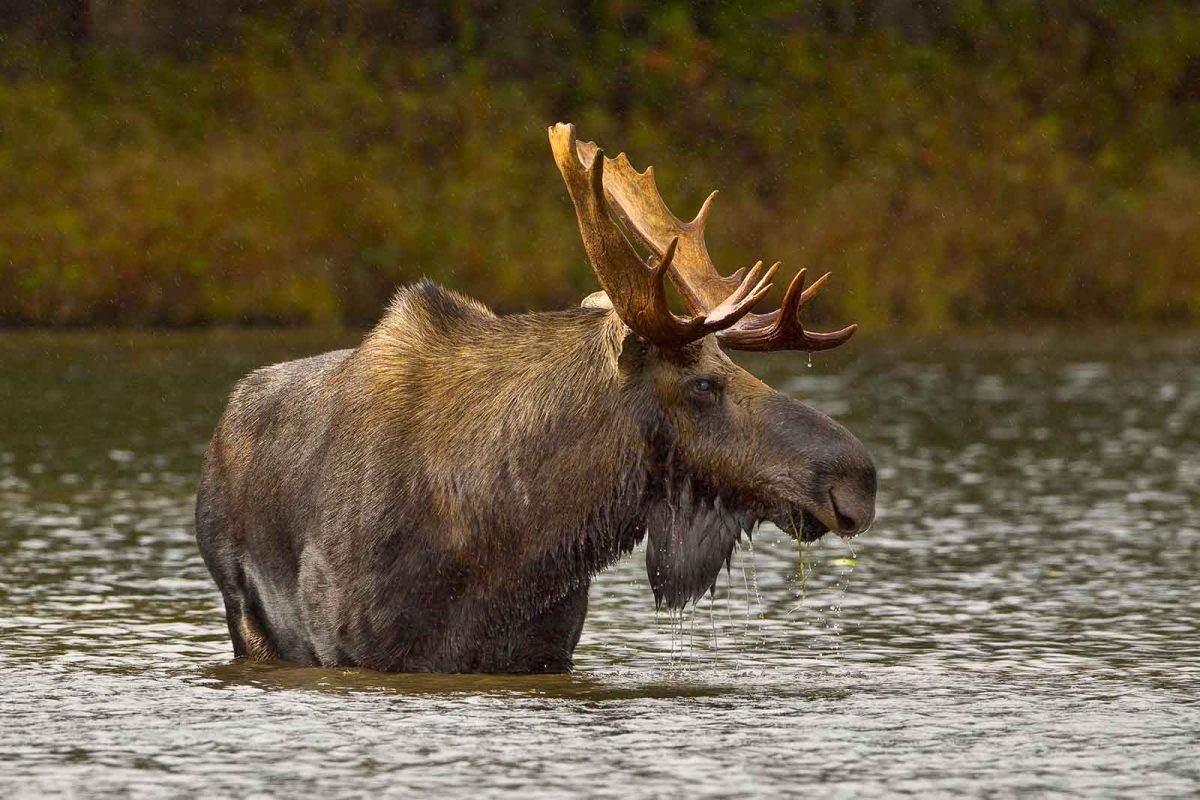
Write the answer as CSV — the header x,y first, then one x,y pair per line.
x,y
756,597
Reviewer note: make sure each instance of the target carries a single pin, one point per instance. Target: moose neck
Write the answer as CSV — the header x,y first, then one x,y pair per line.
x,y
534,454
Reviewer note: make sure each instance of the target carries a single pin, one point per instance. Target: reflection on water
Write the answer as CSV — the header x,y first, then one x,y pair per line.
x,y
1022,617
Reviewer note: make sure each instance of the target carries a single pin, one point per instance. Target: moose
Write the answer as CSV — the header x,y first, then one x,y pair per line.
x,y
439,498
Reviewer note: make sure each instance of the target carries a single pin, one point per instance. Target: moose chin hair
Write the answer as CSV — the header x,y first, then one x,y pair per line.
x,y
798,523
691,534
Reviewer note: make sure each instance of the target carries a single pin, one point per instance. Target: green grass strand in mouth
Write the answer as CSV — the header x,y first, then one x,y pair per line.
x,y
800,549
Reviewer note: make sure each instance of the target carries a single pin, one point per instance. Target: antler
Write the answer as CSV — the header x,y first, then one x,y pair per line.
x,y
781,330
635,288
680,247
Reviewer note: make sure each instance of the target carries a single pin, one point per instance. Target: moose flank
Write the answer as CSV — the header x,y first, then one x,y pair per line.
x,y
439,498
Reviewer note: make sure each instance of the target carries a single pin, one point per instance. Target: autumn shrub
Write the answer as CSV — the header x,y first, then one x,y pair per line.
x,y
998,174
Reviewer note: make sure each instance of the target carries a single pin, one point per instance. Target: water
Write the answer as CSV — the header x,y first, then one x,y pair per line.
x,y
1023,617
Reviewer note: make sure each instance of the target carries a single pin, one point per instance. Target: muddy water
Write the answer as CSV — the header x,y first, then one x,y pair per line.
x,y
1024,616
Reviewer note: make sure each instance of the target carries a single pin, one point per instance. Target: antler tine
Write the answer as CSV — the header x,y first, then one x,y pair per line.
x,y
634,196
636,289
782,330
702,215
749,292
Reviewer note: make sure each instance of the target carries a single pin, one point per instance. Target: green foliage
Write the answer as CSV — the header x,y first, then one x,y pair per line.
x,y
1023,161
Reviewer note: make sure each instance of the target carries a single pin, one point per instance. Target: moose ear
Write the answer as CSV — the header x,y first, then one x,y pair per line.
x,y
634,350
597,300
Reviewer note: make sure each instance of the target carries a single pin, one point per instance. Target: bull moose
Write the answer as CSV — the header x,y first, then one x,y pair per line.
x,y
439,497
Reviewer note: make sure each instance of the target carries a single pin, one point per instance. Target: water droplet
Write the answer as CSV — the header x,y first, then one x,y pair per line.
x,y
810,360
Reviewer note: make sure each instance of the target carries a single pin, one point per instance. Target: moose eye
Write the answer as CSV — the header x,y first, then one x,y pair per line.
x,y
703,386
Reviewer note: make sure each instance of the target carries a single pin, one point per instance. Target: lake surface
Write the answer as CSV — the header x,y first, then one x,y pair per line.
x,y
1023,617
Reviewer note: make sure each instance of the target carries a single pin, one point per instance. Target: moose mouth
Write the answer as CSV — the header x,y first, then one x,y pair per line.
x,y
692,532
798,523
808,521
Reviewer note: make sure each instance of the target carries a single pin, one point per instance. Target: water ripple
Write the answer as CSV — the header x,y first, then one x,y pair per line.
x,y
1022,618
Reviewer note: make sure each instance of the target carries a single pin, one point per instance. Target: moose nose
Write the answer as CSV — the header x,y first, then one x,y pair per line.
x,y
853,501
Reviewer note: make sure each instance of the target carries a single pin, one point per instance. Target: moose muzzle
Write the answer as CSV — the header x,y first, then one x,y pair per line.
x,y
827,480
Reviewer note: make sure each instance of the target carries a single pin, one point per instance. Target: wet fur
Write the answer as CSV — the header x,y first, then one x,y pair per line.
x,y
439,498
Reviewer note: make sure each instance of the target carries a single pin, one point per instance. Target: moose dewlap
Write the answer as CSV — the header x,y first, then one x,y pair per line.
x,y
439,498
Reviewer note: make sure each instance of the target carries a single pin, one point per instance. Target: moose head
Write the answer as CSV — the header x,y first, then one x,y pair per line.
x,y
733,451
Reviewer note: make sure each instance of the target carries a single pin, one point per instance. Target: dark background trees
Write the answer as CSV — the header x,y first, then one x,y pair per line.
x,y
181,161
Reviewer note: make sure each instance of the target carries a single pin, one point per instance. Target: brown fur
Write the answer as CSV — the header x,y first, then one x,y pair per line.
x,y
253,640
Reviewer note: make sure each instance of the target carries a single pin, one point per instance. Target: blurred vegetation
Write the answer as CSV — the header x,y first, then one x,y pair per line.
x,y
953,163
